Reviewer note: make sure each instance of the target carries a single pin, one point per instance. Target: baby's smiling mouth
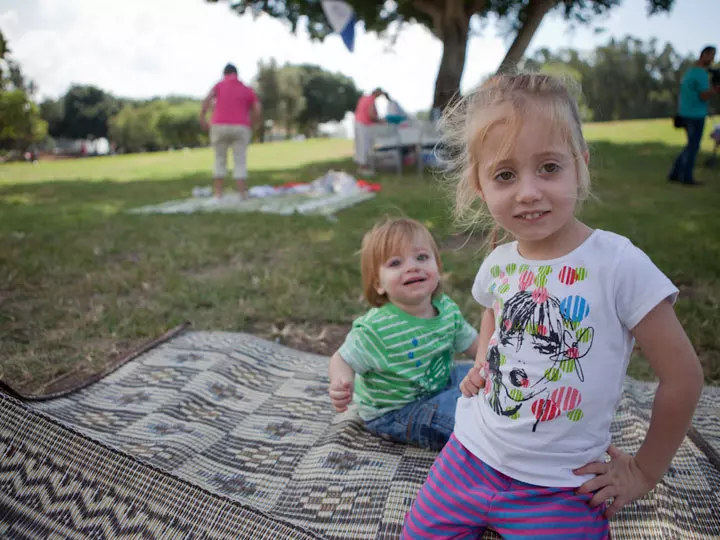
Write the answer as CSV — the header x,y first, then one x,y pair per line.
x,y
416,279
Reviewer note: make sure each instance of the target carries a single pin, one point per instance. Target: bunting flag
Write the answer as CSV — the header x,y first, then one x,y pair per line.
x,y
341,18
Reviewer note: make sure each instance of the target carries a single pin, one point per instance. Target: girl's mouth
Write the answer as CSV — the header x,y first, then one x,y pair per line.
x,y
532,216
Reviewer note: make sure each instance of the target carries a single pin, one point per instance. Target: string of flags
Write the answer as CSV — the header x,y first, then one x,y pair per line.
x,y
341,18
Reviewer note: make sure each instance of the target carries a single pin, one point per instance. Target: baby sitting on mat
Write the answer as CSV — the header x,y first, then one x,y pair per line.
x,y
397,361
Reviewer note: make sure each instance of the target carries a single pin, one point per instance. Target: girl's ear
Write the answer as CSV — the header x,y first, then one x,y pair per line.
x,y
380,291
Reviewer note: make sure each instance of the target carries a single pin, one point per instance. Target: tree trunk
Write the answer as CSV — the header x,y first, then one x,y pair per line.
x,y
536,11
450,24
259,132
454,35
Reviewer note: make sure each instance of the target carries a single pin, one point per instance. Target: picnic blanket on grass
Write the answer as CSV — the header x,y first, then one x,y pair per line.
x,y
291,203
226,435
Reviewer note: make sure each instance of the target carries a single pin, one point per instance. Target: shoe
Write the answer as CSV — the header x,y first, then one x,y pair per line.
x,y
692,183
673,179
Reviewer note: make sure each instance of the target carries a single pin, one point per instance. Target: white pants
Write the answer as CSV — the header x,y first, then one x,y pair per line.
x,y
227,136
363,143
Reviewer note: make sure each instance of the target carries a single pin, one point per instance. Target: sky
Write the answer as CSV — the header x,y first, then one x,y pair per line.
x,y
145,48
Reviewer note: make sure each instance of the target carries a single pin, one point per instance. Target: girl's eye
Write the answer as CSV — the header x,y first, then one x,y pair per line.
x,y
504,176
423,257
550,168
394,262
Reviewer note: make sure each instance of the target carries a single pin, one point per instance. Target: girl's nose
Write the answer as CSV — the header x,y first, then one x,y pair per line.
x,y
528,189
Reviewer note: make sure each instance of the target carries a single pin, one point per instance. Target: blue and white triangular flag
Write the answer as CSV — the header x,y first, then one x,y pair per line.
x,y
341,18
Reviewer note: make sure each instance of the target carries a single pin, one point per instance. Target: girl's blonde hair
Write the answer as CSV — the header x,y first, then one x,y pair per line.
x,y
388,238
506,99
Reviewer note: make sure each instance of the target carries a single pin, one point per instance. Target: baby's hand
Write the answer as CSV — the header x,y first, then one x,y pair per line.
x,y
341,392
621,478
473,381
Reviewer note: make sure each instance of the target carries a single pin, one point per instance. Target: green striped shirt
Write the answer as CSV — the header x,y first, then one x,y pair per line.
x,y
399,358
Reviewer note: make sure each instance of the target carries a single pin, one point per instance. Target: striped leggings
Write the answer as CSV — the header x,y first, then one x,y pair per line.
x,y
463,496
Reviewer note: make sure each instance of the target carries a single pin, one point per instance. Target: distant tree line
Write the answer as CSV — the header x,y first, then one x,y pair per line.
x,y
21,123
623,79
296,99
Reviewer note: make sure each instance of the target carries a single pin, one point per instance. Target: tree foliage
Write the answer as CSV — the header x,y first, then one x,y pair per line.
x,y
291,100
157,124
622,79
449,20
328,96
20,121
87,111
21,124
53,112
304,96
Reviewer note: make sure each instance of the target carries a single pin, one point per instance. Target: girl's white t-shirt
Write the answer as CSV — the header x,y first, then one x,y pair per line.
x,y
558,356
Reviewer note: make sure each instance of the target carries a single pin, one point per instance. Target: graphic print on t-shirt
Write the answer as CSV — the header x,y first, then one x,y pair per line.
x,y
552,327
436,375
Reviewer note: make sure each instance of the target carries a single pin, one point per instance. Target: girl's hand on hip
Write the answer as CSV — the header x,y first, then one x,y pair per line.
x,y
621,478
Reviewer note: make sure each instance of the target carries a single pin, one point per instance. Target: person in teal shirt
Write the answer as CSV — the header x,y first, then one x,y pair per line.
x,y
695,91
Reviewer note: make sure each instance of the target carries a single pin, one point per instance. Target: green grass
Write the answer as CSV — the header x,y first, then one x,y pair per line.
x,y
81,281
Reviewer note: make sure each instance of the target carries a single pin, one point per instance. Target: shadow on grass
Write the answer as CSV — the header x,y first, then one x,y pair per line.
x,y
641,165
128,194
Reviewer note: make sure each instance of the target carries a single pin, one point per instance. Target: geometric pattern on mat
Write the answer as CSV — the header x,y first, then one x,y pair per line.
x,y
225,435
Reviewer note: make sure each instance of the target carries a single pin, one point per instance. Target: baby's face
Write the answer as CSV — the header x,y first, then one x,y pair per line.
x,y
410,276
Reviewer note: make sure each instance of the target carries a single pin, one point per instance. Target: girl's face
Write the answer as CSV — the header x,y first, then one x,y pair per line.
x,y
532,190
409,277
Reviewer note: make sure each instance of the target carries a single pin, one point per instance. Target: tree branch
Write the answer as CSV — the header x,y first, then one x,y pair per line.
x,y
534,14
478,6
455,11
431,9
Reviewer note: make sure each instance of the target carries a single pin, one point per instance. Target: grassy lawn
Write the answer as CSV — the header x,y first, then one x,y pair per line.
x,y
81,281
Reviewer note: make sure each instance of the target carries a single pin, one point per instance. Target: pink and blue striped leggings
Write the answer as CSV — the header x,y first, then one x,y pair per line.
x,y
463,496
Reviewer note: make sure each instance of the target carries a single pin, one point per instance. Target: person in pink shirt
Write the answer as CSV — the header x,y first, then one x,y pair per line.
x,y
365,117
236,108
